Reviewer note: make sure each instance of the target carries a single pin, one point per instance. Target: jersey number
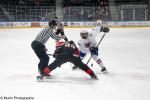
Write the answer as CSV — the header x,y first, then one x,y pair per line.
x,y
70,45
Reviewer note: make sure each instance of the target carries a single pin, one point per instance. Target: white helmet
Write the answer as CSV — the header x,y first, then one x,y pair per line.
x,y
84,34
99,22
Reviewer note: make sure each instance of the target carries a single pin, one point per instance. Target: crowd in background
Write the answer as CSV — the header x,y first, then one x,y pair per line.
x,y
73,10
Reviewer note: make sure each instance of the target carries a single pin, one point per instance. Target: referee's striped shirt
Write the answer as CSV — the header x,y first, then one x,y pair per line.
x,y
45,34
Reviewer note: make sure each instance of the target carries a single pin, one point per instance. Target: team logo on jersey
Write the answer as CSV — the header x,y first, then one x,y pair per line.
x,y
87,45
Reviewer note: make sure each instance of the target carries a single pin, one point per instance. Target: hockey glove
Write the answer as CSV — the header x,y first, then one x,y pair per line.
x,y
105,29
94,50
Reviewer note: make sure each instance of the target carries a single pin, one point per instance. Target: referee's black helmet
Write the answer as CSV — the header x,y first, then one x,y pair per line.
x,y
52,23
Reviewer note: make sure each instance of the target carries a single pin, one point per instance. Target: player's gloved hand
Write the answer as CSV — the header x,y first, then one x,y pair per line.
x,y
94,50
105,29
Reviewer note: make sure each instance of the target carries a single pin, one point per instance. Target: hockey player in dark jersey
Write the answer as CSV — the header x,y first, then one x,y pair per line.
x,y
67,52
38,45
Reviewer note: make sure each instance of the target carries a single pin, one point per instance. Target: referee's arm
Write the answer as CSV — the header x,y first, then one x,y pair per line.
x,y
53,35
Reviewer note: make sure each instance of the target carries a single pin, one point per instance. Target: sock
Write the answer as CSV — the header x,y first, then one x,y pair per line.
x,y
99,62
47,70
90,72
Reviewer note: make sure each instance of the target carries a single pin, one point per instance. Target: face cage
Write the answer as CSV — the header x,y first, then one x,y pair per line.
x,y
84,35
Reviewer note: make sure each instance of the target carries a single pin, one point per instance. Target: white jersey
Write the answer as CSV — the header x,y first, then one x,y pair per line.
x,y
95,31
85,44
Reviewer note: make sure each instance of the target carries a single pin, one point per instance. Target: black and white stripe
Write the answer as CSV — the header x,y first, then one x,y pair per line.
x,y
45,34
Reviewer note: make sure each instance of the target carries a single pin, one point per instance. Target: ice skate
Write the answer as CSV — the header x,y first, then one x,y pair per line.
x,y
104,70
94,77
42,77
48,76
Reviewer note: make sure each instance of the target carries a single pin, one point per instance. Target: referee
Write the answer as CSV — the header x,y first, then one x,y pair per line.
x,y
38,45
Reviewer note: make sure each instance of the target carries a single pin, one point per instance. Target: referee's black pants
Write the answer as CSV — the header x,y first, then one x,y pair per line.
x,y
40,51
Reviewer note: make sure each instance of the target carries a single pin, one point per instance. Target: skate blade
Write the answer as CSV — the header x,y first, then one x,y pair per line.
x,y
104,72
94,78
43,79
46,78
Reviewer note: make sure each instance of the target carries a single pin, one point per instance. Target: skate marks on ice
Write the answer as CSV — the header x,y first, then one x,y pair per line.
x,y
132,76
78,77
135,76
13,77
68,79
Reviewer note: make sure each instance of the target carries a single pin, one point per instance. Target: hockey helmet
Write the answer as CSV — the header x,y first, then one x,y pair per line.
x,y
84,34
99,22
71,42
52,23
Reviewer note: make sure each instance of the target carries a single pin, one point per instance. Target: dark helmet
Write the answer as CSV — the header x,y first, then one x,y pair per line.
x,y
52,23
71,42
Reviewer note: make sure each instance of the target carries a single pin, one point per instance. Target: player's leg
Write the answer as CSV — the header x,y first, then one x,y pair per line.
x,y
40,51
82,55
100,63
43,63
78,62
57,62
47,70
41,66
94,53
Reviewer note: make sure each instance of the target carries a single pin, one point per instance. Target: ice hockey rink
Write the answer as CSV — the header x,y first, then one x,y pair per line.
x,y
124,51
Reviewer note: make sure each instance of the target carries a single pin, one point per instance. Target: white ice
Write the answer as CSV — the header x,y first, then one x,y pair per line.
x,y
124,51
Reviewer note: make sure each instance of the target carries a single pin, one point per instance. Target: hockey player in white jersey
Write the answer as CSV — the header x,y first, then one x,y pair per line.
x,y
88,44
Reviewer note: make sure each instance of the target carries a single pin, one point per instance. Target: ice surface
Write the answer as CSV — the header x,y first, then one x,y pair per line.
x,y
125,52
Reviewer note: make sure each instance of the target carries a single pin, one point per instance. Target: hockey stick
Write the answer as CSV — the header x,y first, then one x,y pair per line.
x,y
96,46
50,54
